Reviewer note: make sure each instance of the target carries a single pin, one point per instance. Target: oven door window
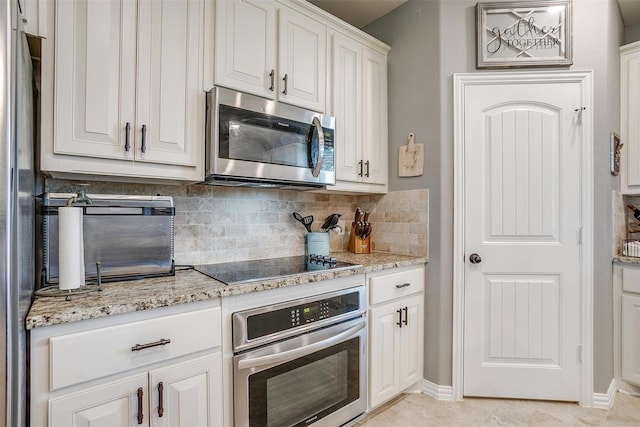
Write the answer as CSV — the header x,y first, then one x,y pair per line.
x,y
255,137
307,389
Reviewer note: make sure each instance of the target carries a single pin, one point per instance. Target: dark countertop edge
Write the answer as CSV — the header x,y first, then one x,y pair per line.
x,y
215,289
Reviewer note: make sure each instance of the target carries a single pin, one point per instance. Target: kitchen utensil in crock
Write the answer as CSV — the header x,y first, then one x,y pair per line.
x,y
306,221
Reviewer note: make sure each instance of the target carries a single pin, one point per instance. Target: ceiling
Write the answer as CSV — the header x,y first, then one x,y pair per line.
x,y
630,10
360,13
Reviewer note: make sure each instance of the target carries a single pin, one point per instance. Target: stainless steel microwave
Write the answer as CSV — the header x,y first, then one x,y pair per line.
x,y
259,142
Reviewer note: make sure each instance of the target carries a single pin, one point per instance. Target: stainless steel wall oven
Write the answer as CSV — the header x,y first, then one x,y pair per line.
x,y
301,362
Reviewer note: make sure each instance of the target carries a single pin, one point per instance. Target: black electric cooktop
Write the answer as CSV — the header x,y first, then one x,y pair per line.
x,y
233,273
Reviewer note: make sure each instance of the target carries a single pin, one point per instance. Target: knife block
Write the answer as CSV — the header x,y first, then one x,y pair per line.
x,y
358,245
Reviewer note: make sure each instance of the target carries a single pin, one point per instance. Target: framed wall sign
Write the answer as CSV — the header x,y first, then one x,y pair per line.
x,y
524,34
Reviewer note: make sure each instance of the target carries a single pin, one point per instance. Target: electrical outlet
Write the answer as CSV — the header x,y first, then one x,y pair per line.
x,y
342,225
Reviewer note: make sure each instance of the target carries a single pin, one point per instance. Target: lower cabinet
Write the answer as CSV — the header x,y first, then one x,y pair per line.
x,y
149,369
631,339
626,281
177,395
396,333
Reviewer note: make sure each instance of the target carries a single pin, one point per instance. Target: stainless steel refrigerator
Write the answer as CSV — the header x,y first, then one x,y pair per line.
x,y
16,212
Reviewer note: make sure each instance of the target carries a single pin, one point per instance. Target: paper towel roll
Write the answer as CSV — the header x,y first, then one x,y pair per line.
x,y
71,248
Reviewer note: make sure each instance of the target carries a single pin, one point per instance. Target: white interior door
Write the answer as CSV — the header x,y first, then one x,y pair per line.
x,y
522,159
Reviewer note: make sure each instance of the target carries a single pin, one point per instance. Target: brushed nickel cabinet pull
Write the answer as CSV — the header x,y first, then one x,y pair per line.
x,y
367,165
406,316
360,165
271,76
144,139
404,285
127,136
139,347
399,311
140,414
285,79
160,408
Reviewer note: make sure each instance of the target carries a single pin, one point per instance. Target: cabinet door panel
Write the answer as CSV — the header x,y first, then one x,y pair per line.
x,y
374,105
302,58
631,339
191,393
347,105
170,99
95,77
383,353
411,342
246,46
114,404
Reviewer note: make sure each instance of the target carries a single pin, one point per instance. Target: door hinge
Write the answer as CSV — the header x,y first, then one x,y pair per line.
x,y
580,229
580,353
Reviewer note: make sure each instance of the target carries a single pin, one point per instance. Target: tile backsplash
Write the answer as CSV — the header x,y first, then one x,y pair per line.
x,y
216,224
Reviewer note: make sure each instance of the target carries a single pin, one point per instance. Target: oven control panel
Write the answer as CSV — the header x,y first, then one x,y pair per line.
x,y
296,315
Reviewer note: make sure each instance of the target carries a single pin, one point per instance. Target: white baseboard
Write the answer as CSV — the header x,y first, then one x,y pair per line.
x,y
439,392
605,400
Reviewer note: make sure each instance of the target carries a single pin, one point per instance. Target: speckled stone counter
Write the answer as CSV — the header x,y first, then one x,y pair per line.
x,y
626,259
188,286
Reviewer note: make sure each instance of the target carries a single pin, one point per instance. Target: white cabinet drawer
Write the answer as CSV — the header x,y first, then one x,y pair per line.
x,y
395,285
84,356
631,279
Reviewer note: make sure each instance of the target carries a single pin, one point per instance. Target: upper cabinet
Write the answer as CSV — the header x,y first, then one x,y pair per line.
x,y
358,100
271,50
125,98
630,118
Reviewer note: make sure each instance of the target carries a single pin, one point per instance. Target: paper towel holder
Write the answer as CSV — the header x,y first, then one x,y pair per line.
x,y
81,196
54,291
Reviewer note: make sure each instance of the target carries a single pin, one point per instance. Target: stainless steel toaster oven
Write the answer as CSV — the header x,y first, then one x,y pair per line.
x,y
131,236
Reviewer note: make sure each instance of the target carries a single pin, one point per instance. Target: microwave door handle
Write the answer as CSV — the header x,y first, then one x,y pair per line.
x,y
299,352
318,128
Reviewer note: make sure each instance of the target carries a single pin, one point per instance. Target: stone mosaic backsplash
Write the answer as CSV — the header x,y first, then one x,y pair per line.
x,y
216,224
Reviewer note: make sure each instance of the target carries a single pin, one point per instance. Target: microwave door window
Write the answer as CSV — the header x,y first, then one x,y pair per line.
x,y
264,139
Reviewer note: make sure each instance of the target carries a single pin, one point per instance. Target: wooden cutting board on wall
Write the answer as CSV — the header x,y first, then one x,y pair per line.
x,y
411,158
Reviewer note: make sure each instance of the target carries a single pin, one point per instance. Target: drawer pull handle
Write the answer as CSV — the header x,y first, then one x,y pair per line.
x,y
399,311
139,347
404,285
140,414
160,408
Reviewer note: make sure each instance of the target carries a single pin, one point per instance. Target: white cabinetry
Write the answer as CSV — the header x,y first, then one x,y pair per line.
x,y
271,50
358,100
125,97
396,332
627,325
630,118
160,371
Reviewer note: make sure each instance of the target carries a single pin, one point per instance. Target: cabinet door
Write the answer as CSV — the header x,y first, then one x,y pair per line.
x,y
94,77
114,404
410,342
170,100
246,46
629,120
383,353
374,117
191,394
346,100
302,60
631,339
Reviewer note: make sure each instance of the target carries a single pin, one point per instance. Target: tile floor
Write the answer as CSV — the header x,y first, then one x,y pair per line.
x,y
413,410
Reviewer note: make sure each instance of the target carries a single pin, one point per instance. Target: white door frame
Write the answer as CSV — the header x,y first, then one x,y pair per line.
x,y
460,82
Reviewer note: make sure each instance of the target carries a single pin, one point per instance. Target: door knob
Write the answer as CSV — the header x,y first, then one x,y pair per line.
x,y
475,259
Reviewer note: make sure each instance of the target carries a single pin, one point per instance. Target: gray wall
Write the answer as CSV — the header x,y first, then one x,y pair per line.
x,y
632,34
430,41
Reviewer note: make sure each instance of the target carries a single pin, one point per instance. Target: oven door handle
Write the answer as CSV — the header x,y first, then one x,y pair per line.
x,y
299,352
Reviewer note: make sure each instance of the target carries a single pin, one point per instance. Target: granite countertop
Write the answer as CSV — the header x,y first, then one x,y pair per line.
x,y
188,286
626,259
